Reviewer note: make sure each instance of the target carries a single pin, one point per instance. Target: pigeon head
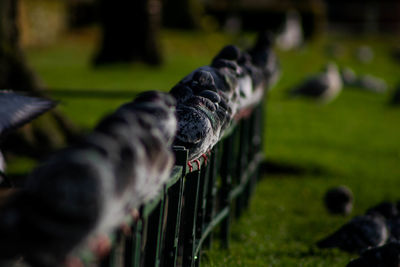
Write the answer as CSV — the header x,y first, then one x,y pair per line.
x,y
202,80
331,68
181,92
265,40
339,200
229,52
230,65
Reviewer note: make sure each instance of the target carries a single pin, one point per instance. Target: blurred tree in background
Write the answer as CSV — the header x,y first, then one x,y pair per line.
x,y
14,72
130,32
182,14
50,131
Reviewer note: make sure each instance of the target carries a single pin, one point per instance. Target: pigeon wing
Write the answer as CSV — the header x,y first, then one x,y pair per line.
x,y
16,110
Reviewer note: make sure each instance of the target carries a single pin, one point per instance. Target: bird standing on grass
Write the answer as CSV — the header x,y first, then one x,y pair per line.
x,y
339,200
360,233
324,86
291,35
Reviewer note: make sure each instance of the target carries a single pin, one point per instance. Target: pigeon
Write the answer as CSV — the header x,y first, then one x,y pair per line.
x,y
366,82
263,57
291,35
360,233
17,110
339,200
83,193
136,129
387,255
211,98
198,126
57,210
371,83
386,209
391,214
324,86
159,105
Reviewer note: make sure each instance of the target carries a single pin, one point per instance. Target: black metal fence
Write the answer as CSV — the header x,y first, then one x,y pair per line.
x,y
174,227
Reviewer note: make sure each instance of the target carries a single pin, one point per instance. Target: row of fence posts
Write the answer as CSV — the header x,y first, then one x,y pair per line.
x,y
195,204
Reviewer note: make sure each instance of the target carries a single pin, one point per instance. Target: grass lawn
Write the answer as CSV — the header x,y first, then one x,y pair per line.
x,y
353,141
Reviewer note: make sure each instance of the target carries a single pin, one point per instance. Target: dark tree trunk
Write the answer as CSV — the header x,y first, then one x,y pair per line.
x,y
14,72
130,31
182,14
48,132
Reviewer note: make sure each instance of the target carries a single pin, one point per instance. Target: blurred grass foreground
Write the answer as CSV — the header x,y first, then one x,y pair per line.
x,y
352,141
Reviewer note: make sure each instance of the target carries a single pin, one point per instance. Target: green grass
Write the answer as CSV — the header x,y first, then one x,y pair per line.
x,y
352,141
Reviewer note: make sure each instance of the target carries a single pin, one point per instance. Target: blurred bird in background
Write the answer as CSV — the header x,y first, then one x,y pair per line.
x,y
360,233
291,34
365,82
339,200
324,86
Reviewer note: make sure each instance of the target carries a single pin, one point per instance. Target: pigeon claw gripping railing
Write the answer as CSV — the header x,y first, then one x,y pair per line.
x,y
174,227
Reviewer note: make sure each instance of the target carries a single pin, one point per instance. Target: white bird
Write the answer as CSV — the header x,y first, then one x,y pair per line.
x,y
291,35
324,86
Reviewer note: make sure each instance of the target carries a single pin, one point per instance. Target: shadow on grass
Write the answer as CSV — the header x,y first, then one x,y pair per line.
x,y
275,167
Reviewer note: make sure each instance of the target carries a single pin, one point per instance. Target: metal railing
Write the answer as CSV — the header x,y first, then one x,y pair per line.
x,y
174,227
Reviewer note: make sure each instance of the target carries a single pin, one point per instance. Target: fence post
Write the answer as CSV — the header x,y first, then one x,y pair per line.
x,y
133,245
226,186
174,198
153,236
188,220
211,192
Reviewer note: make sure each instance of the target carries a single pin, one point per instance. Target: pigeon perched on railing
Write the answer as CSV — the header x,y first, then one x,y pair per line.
x,y
360,233
324,86
157,104
82,194
60,206
213,97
